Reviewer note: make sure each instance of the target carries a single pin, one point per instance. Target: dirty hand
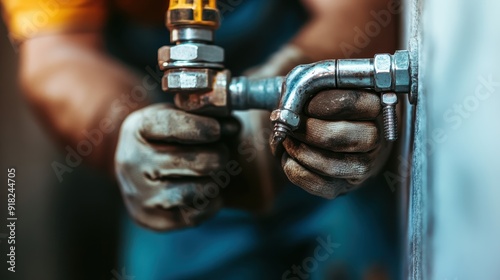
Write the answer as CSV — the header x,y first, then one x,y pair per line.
x,y
338,145
163,161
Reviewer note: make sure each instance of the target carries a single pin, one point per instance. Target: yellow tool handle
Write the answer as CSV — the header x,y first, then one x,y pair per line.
x,y
193,12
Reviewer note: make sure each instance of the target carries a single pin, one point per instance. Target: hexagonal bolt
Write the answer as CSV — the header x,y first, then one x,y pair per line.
x,y
163,55
280,132
215,102
291,119
284,122
389,102
383,72
177,80
191,52
401,68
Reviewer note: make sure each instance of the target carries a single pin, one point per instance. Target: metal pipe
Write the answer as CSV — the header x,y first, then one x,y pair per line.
x,y
383,73
261,94
306,80
355,73
191,34
300,84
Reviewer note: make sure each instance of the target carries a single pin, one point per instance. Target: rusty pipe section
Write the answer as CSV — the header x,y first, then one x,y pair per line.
x,y
383,73
221,94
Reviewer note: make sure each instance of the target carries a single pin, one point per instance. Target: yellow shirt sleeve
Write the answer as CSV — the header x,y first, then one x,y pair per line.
x,y
29,18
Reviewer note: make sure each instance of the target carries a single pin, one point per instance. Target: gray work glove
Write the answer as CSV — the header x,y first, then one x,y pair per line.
x,y
339,144
163,162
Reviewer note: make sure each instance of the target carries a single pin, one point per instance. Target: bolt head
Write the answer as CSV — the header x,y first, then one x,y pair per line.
x,y
191,52
389,99
402,71
163,55
177,80
287,117
383,76
214,102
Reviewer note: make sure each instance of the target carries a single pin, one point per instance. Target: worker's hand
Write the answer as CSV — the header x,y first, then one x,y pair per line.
x,y
163,163
338,145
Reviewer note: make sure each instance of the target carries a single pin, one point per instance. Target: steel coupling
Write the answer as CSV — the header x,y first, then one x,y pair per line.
x,y
384,73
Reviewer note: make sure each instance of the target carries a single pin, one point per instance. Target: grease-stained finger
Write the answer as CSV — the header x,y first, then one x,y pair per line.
x,y
163,123
312,182
341,104
354,166
339,136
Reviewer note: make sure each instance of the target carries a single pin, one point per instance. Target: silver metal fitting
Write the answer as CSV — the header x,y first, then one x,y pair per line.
x,y
384,73
194,67
214,102
177,80
401,70
261,94
189,53
389,102
287,117
389,99
392,72
382,63
413,54
191,34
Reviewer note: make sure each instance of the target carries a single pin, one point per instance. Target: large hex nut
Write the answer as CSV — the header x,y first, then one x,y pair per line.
x,y
402,71
383,76
287,117
186,80
214,102
191,52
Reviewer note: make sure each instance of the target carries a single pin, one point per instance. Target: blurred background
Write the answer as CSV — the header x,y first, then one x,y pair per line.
x,y
65,230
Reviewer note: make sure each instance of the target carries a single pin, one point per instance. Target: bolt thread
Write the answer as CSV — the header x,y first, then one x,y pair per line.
x,y
390,123
280,132
281,127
